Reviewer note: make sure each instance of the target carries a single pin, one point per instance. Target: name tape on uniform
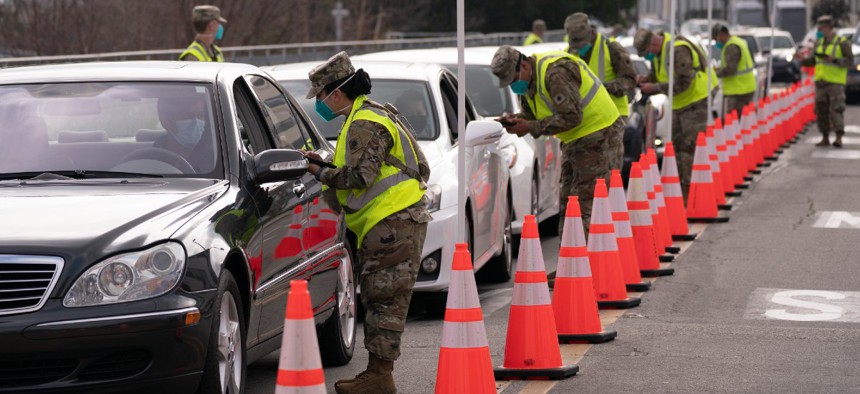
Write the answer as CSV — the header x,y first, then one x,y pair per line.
x,y
837,219
804,305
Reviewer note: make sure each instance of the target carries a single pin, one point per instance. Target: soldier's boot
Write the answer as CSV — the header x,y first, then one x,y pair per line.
x,y
377,379
825,141
838,142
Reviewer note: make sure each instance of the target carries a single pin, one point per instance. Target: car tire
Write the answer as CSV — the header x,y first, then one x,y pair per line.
x,y
436,303
337,337
228,328
498,269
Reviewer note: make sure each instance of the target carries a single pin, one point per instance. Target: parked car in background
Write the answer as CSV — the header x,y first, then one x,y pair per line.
x,y
534,164
154,214
847,32
699,28
781,53
426,96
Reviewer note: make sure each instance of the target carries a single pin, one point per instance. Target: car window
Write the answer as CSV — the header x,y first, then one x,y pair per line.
x,y
751,44
167,129
780,42
412,99
251,123
286,131
482,86
470,109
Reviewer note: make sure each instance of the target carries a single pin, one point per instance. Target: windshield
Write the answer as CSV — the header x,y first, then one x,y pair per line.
x,y
412,99
780,42
751,44
483,89
164,129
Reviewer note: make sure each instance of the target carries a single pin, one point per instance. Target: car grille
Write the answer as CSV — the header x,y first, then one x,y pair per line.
x,y
19,373
117,366
26,281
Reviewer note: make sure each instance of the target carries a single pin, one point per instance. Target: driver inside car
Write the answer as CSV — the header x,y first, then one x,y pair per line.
x,y
188,133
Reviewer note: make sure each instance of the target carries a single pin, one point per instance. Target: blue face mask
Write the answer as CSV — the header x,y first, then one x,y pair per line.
x,y
585,49
819,34
189,131
718,45
324,111
520,87
220,34
650,57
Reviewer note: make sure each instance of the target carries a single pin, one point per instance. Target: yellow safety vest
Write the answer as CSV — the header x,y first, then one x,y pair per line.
x,y
598,110
600,64
698,90
197,50
532,39
392,190
743,81
830,72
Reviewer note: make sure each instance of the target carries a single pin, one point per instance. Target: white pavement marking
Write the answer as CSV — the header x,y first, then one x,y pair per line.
x,y
847,140
804,305
852,129
844,154
838,219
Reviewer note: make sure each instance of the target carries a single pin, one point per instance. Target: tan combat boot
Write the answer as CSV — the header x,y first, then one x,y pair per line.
x,y
376,379
838,142
825,141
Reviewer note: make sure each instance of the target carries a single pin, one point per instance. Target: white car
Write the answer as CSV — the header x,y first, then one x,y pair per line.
x,y
535,164
426,95
782,53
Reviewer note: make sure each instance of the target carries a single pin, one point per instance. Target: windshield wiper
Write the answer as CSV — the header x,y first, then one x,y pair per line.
x,y
74,174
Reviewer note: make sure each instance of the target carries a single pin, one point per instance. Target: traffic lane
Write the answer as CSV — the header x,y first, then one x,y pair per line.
x,y
415,370
703,328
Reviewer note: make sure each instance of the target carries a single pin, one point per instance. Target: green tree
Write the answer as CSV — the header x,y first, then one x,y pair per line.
x,y
838,9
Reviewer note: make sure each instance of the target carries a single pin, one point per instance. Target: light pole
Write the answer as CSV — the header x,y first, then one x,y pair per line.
x,y
338,13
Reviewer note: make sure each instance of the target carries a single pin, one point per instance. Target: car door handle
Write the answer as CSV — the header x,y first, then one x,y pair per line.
x,y
299,189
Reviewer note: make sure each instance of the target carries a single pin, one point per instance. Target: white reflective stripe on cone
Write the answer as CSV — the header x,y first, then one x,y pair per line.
x,y
531,294
463,283
640,218
300,333
573,234
531,257
673,190
573,267
316,389
464,335
701,176
617,200
622,229
660,198
602,242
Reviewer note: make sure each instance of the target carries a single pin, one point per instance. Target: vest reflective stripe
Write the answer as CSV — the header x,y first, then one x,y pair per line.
x,y
392,190
743,81
698,89
598,64
829,72
598,110
200,53
532,39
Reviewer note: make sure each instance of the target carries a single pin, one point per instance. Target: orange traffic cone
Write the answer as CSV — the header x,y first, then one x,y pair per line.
x,y
661,229
531,347
624,235
660,198
464,358
576,316
291,244
701,204
733,141
749,153
640,220
727,187
767,132
714,162
300,369
758,140
674,198
609,287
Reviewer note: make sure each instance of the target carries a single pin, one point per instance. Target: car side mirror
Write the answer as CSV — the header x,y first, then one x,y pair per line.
x,y
482,132
278,165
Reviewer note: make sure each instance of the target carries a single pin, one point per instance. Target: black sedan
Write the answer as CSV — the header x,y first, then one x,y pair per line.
x,y
153,215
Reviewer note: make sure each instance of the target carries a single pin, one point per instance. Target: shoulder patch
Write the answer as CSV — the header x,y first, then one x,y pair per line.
x,y
559,98
353,143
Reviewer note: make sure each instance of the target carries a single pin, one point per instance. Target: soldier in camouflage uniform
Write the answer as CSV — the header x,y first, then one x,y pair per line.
x,y
584,43
688,121
832,58
584,159
731,67
390,252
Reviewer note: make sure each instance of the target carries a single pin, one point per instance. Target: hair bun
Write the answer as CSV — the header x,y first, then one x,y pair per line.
x,y
363,80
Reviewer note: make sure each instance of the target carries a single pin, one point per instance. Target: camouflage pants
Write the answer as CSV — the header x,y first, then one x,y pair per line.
x,y
394,247
687,122
583,162
829,107
616,146
737,103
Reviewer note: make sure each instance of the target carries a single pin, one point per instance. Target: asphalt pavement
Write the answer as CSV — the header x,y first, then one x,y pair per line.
x,y
768,302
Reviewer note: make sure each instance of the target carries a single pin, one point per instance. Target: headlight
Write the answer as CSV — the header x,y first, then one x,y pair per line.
x,y
129,277
789,58
658,141
510,154
434,197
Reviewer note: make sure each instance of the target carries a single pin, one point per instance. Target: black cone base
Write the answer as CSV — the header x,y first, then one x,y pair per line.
x,y
771,158
684,237
724,207
641,286
749,178
743,185
734,193
779,151
673,249
600,337
718,219
756,171
667,258
657,272
628,302
764,164
563,372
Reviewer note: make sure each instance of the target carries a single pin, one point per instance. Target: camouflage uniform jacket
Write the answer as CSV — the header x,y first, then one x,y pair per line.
x,y
369,144
733,57
684,71
619,60
847,56
562,82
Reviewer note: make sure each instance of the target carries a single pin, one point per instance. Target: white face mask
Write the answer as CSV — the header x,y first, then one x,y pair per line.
x,y
189,131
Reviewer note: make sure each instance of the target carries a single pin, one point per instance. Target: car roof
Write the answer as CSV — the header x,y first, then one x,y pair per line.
x,y
444,55
121,71
404,70
765,31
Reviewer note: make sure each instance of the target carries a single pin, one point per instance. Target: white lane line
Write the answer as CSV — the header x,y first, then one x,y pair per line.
x,y
843,154
848,140
838,219
850,128
804,305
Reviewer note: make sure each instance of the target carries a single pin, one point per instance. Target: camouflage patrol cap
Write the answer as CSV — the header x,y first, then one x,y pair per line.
x,y
538,24
824,20
206,13
335,68
642,41
716,29
505,63
578,29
